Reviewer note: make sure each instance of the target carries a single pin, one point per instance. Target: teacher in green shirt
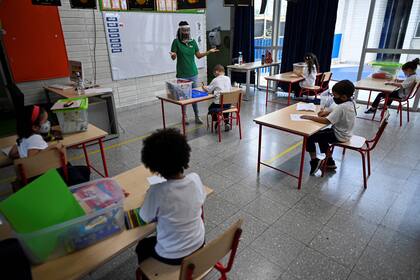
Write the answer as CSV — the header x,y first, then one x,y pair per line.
x,y
184,49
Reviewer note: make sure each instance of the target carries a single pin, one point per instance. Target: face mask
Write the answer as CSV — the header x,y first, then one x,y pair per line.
x,y
338,100
45,127
185,34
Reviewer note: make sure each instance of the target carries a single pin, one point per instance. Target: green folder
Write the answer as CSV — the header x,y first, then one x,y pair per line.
x,y
45,202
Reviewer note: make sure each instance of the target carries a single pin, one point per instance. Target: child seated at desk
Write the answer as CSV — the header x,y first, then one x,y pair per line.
x,y
405,87
221,83
176,204
31,124
342,118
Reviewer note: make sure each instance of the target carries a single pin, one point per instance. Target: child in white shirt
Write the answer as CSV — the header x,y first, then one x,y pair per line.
x,y
342,117
405,87
221,83
32,122
176,205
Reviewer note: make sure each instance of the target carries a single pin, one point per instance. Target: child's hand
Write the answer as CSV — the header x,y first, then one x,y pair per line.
x,y
173,55
307,117
206,88
323,113
213,50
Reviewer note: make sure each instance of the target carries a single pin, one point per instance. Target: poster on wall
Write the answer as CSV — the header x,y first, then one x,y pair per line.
x,y
166,5
83,4
191,4
143,5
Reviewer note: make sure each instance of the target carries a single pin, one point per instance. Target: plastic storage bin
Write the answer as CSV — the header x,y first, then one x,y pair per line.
x,y
179,89
102,199
73,119
385,69
298,68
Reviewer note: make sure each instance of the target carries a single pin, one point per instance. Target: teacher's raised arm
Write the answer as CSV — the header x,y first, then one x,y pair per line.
x,y
184,49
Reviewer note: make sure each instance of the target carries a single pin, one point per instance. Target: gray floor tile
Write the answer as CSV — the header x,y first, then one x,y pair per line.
x,y
240,195
288,276
285,195
374,264
313,265
356,276
217,182
251,228
217,210
397,244
315,208
298,226
278,247
342,248
265,209
252,265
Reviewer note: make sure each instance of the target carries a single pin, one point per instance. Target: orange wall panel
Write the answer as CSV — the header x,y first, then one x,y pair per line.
x,y
33,41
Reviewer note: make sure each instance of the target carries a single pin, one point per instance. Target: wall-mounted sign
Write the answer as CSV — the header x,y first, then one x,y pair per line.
x,y
47,2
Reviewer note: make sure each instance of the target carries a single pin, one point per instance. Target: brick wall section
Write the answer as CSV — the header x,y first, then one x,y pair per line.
x,y
78,28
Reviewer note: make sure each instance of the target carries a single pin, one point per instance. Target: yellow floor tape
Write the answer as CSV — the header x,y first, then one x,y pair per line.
x,y
285,152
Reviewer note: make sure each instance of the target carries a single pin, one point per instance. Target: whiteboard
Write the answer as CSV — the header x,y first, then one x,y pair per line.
x,y
139,43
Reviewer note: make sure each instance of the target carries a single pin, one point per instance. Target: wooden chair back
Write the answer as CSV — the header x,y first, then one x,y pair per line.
x,y
51,158
384,122
233,97
326,78
414,91
207,257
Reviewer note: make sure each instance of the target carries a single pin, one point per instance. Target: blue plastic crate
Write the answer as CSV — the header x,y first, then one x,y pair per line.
x,y
198,93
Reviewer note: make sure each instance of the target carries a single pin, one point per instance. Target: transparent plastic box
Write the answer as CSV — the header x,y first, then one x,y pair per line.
x,y
298,68
385,69
73,119
104,218
179,89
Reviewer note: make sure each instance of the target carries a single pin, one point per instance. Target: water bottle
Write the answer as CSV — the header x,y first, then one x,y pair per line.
x,y
79,84
240,58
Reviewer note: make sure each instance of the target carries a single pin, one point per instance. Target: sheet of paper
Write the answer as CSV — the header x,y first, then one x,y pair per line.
x,y
6,150
153,180
59,105
296,117
97,90
306,107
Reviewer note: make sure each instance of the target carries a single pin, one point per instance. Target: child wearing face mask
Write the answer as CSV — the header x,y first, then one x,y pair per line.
x,y
31,124
409,69
342,118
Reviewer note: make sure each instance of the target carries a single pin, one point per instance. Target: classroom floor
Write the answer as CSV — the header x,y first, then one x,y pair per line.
x,y
331,229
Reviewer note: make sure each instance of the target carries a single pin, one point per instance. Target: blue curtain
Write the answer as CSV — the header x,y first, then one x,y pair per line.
x,y
243,39
243,33
309,27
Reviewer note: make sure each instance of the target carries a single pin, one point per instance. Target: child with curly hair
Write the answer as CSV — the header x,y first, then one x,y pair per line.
x,y
176,204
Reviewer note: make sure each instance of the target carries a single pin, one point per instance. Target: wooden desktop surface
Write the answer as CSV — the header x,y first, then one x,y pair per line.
x,y
280,119
69,140
80,263
71,93
252,65
288,77
375,85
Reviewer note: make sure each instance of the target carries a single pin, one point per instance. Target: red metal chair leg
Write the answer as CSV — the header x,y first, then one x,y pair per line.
x,y
218,127
344,151
408,111
368,162
364,169
401,112
139,274
238,118
368,103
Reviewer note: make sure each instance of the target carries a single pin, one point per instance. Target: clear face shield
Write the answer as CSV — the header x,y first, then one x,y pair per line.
x,y
185,33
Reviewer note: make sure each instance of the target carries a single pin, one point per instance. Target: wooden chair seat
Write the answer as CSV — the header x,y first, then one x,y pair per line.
x,y
5,160
231,110
355,142
156,270
311,87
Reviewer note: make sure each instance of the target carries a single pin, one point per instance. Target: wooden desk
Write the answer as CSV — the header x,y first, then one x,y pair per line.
x,y
182,103
378,85
80,263
247,68
92,134
280,120
103,93
288,77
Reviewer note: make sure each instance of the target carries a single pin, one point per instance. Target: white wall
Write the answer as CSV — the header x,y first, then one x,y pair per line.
x,y
79,37
217,15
